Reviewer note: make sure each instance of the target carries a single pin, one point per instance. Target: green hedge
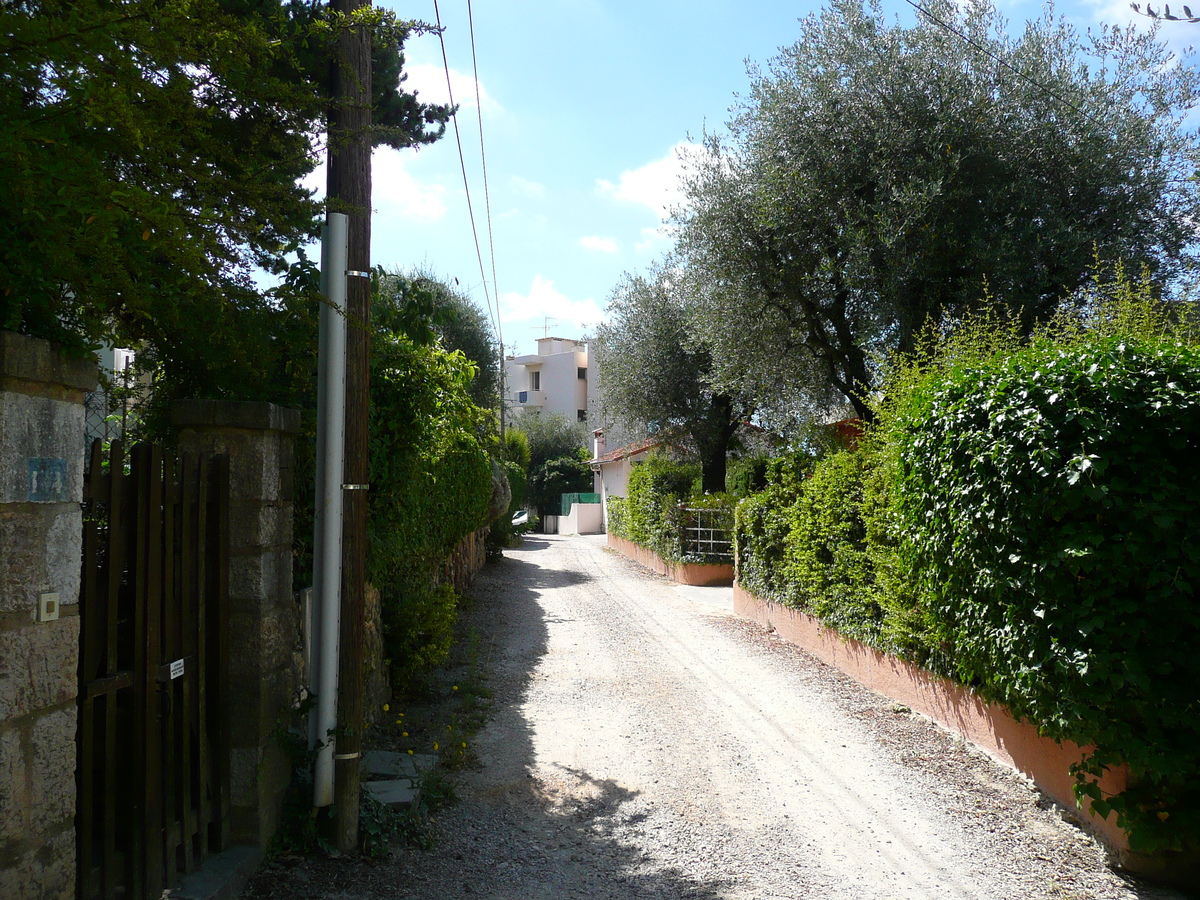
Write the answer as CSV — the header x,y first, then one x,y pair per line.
x,y
761,527
431,481
649,515
1021,519
1045,510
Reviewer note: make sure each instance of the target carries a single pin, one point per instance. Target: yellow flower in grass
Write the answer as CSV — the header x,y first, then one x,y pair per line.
x,y
386,708
435,746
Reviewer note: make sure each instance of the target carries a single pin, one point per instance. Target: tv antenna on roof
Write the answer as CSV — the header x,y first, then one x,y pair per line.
x,y
546,320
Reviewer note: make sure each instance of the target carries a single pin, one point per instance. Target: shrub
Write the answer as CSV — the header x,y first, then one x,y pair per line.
x,y
651,515
761,526
1020,519
617,521
431,480
1043,510
825,557
746,476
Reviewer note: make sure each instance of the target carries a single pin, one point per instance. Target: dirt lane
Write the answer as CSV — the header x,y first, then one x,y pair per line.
x,y
647,743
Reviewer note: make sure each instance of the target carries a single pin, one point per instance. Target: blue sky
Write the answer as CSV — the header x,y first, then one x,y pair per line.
x,y
585,104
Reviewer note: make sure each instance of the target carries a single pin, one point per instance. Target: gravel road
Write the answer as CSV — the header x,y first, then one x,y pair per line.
x,y
646,742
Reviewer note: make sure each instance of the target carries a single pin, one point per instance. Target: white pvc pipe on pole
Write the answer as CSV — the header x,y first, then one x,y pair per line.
x,y
327,537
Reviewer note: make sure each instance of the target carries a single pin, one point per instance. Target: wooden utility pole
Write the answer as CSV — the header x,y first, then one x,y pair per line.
x,y
349,191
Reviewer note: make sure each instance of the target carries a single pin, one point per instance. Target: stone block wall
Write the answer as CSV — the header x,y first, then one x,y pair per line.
x,y
41,530
265,658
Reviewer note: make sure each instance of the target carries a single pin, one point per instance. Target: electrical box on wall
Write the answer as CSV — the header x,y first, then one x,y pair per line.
x,y
47,607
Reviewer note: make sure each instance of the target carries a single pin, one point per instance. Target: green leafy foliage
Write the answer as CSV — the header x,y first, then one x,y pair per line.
x,y
880,174
431,479
556,450
825,557
1021,519
455,320
151,154
151,159
761,529
555,477
746,475
650,514
1045,514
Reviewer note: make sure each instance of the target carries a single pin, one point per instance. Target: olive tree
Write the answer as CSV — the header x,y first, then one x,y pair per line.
x,y
879,177
656,375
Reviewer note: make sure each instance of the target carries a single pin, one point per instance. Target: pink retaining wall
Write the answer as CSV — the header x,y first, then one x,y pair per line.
x,y
703,575
987,725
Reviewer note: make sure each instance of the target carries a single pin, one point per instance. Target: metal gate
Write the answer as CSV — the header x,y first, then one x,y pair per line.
x,y
706,532
153,754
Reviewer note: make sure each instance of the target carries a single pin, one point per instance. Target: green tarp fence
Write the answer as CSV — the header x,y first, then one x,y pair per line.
x,y
568,499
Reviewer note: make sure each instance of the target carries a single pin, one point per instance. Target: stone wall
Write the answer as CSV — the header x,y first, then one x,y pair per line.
x,y
266,665
41,530
464,563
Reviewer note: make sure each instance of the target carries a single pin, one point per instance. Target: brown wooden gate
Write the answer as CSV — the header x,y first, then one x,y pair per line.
x,y
153,753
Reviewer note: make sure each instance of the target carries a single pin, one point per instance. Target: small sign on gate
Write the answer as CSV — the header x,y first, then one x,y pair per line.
x,y
172,670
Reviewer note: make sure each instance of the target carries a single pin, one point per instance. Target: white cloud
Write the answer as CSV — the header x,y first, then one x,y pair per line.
x,y
657,185
395,190
545,300
429,81
527,188
599,244
654,239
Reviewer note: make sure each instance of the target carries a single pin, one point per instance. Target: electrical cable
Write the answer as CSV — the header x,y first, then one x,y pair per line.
x,y
487,205
1041,87
463,164
487,199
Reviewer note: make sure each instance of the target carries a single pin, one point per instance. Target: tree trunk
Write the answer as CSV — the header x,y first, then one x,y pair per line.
x,y
713,444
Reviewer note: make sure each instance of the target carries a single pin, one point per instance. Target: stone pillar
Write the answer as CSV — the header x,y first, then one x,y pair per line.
x,y
265,667
41,534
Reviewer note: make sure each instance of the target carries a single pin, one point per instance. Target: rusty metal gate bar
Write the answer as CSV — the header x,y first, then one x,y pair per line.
x,y
153,749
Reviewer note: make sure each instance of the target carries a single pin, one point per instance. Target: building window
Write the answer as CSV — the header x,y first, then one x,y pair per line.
x,y
581,414
535,381
581,373
523,397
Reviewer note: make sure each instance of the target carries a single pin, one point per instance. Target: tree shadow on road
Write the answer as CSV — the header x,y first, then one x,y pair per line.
x,y
518,831
517,834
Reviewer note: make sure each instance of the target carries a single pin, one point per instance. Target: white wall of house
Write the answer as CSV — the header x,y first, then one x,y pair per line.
x,y
549,381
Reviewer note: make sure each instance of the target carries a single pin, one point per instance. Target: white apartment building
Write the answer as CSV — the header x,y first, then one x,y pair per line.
x,y
553,380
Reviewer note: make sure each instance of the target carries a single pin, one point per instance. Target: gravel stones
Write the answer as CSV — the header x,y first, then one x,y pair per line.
x,y
645,744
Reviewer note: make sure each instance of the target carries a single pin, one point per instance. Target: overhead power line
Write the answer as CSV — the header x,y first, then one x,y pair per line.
x,y
487,199
988,53
495,317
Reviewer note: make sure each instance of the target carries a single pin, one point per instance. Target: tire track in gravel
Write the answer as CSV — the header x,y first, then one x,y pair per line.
x,y
652,668
645,743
